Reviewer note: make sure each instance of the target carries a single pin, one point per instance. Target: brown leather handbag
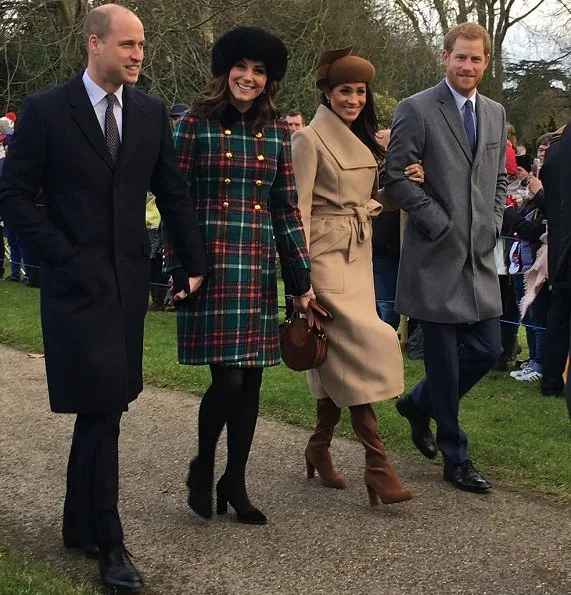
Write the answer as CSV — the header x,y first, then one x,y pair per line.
x,y
303,347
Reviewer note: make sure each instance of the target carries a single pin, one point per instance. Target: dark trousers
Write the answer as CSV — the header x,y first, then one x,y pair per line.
x,y
385,273
90,512
2,251
158,280
556,342
18,255
456,357
510,314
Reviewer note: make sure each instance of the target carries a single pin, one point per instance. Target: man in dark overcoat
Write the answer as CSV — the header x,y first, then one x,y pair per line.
x,y
447,277
563,268
557,332
95,146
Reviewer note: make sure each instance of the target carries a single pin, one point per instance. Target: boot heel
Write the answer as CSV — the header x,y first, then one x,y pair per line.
x,y
221,504
310,469
373,496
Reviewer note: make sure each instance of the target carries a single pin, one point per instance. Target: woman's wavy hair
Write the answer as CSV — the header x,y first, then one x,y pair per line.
x,y
212,100
366,125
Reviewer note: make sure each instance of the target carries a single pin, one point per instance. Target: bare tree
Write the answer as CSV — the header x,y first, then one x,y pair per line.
x,y
497,16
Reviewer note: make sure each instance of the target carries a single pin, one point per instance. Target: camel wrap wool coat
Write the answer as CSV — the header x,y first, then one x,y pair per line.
x,y
335,175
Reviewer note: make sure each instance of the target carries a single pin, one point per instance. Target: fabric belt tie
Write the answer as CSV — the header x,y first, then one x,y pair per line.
x,y
360,225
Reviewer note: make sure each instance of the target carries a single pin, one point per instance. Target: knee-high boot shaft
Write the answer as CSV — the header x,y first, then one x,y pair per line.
x,y
380,478
317,454
241,426
213,414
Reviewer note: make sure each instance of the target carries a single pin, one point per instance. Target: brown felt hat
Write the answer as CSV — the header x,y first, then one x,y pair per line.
x,y
337,67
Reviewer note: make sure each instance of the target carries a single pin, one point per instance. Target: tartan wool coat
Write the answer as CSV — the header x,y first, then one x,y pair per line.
x,y
243,188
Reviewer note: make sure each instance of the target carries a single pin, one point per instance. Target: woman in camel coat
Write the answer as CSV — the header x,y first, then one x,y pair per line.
x,y
335,162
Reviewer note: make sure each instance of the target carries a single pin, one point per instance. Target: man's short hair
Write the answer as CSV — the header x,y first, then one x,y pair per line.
x,y
469,31
97,22
293,113
544,139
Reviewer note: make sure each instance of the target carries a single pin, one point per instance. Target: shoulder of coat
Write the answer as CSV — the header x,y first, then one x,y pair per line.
x,y
557,135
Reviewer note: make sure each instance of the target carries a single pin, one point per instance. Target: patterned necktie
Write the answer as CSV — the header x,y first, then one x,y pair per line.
x,y
469,125
111,129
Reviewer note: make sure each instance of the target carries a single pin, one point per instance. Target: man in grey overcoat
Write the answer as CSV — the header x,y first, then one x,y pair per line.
x,y
447,277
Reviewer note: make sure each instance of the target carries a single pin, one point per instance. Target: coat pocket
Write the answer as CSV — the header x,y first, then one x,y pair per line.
x,y
328,242
328,273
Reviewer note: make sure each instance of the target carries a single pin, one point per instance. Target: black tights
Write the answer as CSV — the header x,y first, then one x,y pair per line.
x,y
233,399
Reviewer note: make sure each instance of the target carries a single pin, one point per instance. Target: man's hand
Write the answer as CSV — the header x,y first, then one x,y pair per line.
x,y
185,286
534,185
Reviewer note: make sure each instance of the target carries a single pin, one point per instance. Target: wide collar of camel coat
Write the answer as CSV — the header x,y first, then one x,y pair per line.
x,y
347,150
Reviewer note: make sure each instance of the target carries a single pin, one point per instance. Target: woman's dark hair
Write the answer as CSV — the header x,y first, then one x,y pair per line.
x,y
366,125
212,100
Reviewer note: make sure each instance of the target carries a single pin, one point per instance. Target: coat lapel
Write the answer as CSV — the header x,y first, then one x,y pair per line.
x,y
346,148
132,116
84,115
452,116
482,118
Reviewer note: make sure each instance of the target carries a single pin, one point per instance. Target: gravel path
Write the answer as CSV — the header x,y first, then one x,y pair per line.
x,y
318,540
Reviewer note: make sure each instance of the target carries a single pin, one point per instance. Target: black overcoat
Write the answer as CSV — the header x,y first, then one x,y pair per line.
x,y
563,273
93,241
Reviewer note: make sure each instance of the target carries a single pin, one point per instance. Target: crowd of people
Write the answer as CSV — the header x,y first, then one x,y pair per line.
x,y
222,185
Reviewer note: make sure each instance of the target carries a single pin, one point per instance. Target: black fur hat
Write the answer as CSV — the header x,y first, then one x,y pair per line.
x,y
251,43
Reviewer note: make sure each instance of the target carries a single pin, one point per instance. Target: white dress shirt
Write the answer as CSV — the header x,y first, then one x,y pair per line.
x,y
98,98
461,102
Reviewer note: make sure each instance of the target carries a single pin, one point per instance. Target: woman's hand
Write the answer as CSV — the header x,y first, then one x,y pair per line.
x,y
301,302
415,172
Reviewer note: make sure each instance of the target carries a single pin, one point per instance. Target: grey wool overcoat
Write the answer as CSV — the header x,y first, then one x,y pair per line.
x,y
447,270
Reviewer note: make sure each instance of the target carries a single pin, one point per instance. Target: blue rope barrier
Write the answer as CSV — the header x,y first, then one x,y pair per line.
x,y
166,286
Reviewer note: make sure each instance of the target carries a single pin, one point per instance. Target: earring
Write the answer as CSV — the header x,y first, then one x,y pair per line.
x,y
328,99
264,92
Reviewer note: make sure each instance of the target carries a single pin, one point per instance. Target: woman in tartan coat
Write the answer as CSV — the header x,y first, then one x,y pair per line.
x,y
235,154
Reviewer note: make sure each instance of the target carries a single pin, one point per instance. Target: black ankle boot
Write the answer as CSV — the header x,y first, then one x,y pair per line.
x,y
238,498
199,485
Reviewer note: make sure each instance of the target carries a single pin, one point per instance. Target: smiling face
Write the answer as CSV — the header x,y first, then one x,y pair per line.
x,y
348,100
465,65
247,80
294,123
116,59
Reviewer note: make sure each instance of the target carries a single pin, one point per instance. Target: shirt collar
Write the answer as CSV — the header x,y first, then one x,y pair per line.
x,y
96,93
460,99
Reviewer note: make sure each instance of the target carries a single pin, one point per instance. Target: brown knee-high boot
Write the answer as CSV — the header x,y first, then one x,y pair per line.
x,y
380,478
317,451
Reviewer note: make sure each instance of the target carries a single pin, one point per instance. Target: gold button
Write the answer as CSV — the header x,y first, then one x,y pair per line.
x,y
225,204
258,183
257,208
261,157
228,155
227,181
227,132
259,135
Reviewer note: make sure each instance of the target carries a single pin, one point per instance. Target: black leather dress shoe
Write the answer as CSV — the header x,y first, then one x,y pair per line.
x,y
421,433
90,550
117,570
466,477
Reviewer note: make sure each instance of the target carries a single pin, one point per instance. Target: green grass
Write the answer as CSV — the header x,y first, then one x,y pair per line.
x,y
516,435
18,577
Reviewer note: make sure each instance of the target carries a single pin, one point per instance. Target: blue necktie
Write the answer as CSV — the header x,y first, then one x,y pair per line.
x,y
469,125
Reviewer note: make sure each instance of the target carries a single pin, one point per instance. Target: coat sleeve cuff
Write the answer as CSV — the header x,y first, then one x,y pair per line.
x,y
296,281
